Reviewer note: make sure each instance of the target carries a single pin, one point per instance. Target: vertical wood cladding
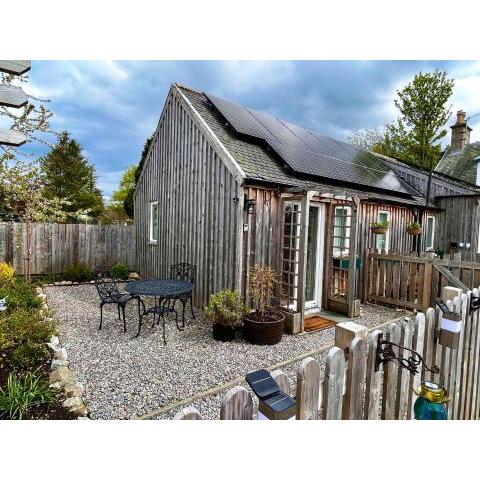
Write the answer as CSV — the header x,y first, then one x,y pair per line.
x,y
198,201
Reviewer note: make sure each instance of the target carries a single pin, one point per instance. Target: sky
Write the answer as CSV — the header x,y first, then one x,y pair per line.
x,y
111,107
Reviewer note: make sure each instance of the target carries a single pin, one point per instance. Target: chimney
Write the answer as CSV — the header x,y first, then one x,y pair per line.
x,y
460,132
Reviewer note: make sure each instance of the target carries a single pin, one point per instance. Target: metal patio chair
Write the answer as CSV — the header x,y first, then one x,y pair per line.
x,y
188,273
109,293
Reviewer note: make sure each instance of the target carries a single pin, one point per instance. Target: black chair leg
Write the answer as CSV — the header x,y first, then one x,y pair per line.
x,y
101,316
191,306
124,321
118,311
163,325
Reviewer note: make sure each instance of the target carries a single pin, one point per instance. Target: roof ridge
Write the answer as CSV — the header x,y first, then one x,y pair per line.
x,y
183,87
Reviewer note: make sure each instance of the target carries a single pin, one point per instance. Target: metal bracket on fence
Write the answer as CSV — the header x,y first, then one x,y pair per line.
x,y
385,354
474,304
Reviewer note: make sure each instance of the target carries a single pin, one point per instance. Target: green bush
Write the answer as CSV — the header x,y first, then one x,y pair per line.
x,y
226,307
30,356
24,392
23,326
79,272
120,271
20,294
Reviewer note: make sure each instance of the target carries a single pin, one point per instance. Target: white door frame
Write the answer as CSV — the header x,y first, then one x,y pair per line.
x,y
316,303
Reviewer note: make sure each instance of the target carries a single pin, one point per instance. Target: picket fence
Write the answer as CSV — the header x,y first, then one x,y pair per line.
x,y
351,388
56,246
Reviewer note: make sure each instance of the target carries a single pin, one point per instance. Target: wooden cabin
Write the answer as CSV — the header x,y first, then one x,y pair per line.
x,y
225,187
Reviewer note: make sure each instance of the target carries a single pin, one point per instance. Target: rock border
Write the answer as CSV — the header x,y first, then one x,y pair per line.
x,y
61,376
65,283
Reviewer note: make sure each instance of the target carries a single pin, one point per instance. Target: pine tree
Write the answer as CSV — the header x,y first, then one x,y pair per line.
x,y
68,175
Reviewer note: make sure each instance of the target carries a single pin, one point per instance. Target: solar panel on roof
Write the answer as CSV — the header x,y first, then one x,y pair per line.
x,y
310,153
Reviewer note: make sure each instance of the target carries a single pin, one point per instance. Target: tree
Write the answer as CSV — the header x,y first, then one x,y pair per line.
x,y
415,136
68,175
124,191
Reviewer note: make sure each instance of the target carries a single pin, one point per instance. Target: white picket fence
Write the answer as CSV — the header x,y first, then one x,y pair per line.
x,y
350,388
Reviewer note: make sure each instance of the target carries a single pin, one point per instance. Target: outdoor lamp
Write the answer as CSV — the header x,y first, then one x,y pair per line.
x,y
273,404
249,205
450,326
430,404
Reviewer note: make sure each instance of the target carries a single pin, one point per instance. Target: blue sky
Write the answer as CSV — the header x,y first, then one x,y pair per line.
x,y
112,107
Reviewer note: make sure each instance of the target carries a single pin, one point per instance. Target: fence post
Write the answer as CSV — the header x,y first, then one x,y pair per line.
x,y
237,405
282,380
390,376
427,285
417,345
333,384
403,375
373,380
355,389
308,389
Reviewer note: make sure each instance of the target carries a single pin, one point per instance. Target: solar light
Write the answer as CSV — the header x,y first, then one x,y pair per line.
x,y
430,404
450,326
249,205
273,404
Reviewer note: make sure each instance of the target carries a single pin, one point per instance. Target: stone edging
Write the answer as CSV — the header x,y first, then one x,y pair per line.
x,y
61,376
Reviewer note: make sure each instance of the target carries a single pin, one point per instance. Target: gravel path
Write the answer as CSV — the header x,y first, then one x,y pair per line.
x,y
125,377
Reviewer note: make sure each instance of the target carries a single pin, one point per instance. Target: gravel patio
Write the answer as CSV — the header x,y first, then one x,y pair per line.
x,y
126,377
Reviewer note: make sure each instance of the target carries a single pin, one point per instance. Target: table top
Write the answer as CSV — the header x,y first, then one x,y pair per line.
x,y
167,287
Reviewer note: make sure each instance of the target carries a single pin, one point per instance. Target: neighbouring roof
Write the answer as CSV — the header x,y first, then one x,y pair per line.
x,y
461,164
263,160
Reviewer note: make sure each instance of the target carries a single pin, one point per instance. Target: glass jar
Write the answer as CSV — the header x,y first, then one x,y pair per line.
x,y
430,404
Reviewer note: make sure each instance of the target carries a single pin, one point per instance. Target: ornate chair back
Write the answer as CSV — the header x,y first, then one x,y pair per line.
x,y
183,271
106,286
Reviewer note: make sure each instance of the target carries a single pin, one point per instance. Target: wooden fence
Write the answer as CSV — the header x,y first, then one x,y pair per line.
x,y
351,388
414,282
56,246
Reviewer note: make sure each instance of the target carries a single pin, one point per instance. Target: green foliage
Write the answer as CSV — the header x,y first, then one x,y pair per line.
x,y
384,224
20,294
79,272
24,392
30,356
119,270
68,175
24,326
128,204
226,307
414,226
415,136
143,157
125,190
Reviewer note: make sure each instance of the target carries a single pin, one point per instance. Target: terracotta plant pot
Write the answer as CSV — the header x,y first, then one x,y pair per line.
x,y
414,231
260,332
223,333
379,230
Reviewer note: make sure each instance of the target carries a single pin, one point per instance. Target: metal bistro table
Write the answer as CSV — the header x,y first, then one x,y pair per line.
x,y
165,292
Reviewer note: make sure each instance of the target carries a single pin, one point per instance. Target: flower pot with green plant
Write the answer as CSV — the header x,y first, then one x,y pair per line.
x,y
225,311
379,227
414,228
264,325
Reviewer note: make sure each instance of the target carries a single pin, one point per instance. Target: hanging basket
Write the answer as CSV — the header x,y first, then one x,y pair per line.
x,y
414,231
379,230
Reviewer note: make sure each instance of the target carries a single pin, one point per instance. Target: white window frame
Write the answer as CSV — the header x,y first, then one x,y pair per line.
x,y
430,247
151,240
387,233
348,225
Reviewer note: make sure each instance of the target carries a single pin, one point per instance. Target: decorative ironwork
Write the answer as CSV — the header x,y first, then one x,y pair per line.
x,y
386,353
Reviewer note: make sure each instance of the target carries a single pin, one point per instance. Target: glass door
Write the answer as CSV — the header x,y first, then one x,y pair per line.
x,y
314,265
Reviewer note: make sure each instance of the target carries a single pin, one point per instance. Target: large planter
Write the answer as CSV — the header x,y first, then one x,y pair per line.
x,y
261,332
223,333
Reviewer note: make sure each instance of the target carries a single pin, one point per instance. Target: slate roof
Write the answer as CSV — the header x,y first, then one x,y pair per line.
x,y
461,164
260,164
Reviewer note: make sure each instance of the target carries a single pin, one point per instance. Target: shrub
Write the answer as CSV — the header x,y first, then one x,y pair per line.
x,y
22,326
24,392
6,273
21,294
261,284
119,270
79,272
384,224
226,307
30,356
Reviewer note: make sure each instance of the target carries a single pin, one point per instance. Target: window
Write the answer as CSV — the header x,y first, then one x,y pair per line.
x,y
382,241
341,231
430,235
153,222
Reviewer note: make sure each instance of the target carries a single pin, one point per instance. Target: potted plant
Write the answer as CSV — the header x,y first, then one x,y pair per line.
x,y
414,228
264,325
225,310
379,227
